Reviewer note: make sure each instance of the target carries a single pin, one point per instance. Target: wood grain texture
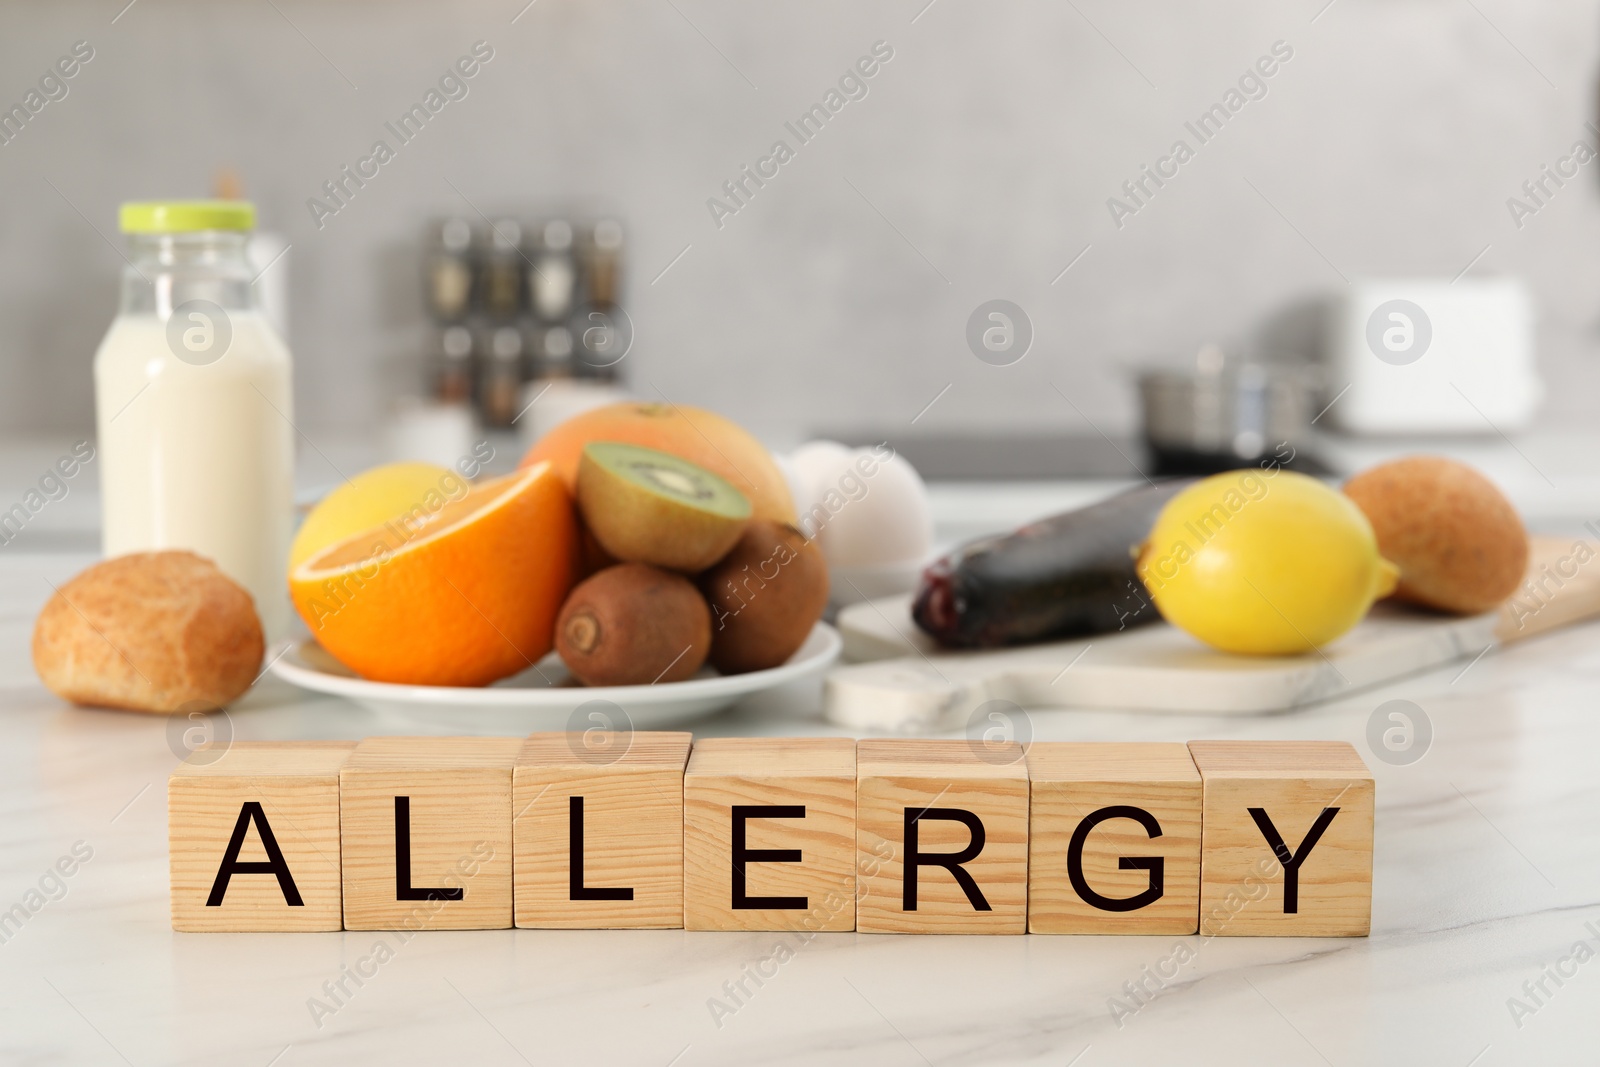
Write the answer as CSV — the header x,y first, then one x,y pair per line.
x,y
816,774
897,776
630,786
1562,587
1293,785
459,791
1071,782
296,785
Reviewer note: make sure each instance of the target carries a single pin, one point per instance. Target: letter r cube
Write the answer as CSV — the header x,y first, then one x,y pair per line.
x,y
941,837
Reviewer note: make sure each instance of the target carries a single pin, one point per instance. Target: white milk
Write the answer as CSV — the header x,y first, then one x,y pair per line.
x,y
200,456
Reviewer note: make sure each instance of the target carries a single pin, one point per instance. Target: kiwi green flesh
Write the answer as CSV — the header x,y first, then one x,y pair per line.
x,y
631,505
666,475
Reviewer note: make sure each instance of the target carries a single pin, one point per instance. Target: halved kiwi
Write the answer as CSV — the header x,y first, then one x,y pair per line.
x,y
645,506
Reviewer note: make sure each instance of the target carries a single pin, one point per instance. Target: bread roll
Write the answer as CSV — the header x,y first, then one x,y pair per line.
x,y
1457,540
152,631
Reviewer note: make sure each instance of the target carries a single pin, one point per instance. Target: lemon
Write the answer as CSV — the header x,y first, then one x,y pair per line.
x,y
371,499
1263,562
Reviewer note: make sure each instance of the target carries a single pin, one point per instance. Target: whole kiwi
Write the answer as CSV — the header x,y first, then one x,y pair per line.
x,y
592,556
765,595
1457,540
633,624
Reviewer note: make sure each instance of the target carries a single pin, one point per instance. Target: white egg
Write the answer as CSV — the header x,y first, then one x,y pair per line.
x,y
819,465
872,511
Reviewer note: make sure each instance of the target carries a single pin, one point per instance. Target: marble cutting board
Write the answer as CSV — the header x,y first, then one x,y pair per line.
x,y
897,679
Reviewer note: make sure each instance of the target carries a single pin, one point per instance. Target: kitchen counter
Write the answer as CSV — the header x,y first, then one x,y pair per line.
x,y
1487,871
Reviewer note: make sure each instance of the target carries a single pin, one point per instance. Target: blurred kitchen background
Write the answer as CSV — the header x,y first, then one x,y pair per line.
x,y
977,166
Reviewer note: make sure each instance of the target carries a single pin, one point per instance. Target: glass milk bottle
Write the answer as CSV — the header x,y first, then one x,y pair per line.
x,y
193,403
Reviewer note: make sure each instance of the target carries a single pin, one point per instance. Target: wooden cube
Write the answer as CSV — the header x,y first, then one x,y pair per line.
x,y
1113,839
941,837
769,834
1286,848
427,833
254,836
599,830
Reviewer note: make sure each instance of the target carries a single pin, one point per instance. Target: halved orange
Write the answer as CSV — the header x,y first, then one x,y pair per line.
x,y
461,596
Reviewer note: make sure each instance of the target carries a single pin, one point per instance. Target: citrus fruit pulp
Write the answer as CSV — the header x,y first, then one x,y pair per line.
x,y
371,498
462,596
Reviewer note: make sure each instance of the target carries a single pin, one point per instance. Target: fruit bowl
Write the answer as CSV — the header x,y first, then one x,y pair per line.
x,y
546,697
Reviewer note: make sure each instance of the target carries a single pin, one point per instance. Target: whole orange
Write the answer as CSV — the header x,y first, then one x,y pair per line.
x,y
460,597
699,436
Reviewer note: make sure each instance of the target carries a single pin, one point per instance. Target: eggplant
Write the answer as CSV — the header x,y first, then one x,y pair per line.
x,y
1068,575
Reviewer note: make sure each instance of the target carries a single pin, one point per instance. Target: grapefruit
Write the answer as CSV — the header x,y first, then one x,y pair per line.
x,y
702,437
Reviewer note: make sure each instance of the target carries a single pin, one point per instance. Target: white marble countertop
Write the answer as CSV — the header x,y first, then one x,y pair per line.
x,y
1487,872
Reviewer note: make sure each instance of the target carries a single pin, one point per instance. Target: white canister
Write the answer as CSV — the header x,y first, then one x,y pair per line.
x,y
1430,356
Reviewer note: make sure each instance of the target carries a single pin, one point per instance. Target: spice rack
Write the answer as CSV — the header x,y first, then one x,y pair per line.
x,y
514,302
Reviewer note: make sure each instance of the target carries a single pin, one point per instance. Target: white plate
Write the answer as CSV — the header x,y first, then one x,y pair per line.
x,y
546,697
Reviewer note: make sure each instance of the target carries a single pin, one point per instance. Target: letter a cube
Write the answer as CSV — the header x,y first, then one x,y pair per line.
x,y
254,836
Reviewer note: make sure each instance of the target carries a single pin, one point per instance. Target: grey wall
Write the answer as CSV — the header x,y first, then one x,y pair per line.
x,y
978,166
